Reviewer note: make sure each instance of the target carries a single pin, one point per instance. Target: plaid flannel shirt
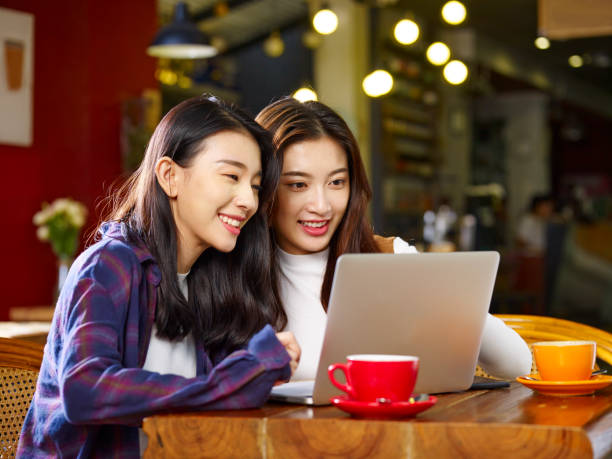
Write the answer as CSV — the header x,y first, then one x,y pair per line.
x,y
92,392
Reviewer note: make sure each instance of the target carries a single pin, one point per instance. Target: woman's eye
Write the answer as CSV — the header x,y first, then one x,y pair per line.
x,y
257,188
232,177
297,185
338,182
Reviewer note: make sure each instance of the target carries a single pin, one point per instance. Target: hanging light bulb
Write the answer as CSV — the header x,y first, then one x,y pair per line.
x,y
378,83
542,43
325,21
454,12
406,31
455,72
273,45
438,53
575,61
305,94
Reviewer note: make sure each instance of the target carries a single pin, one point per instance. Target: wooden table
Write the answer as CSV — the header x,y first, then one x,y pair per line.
x,y
31,313
29,331
513,422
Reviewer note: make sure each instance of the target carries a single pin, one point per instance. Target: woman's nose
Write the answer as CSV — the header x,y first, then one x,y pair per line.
x,y
247,198
319,202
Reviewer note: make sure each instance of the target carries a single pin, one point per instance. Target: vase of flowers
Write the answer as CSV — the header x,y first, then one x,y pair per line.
x,y
60,223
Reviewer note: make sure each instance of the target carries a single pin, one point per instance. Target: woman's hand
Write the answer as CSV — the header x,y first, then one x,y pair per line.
x,y
292,347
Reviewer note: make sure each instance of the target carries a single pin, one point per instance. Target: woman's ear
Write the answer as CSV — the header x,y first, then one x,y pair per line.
x,y
165,171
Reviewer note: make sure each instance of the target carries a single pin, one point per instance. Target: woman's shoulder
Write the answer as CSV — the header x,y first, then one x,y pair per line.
x,y
113,255
385,244
394,244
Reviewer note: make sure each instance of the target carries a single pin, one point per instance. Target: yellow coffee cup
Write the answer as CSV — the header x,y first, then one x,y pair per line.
x,y
565,360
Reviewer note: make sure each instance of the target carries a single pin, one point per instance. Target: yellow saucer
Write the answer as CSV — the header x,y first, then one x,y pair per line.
x,y
564,388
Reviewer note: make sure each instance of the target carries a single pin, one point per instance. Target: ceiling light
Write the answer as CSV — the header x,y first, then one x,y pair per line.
x,y
406,31
378,83
274,46
542,43
305,95
311,39
438,53
575,61
453,12
455,72
181,39
325,21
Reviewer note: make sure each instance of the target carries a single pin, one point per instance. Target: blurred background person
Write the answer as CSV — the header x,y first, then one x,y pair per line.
x,y
531,230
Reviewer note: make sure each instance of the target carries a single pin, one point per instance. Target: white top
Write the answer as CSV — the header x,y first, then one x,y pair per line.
x,y
503,353
170,357
301,278
532,231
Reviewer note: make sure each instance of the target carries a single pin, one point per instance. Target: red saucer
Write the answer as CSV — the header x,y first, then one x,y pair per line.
x,y
375,410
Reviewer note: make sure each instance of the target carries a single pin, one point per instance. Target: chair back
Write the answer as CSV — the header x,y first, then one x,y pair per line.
x,y
19,366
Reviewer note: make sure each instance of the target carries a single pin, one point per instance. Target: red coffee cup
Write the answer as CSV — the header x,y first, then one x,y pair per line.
x,y
372,377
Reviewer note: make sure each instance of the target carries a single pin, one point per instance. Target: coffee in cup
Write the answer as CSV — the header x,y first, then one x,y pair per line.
x,y
565,360
377,377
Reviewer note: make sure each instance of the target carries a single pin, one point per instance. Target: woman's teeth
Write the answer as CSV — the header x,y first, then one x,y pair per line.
x,y
314,224
229,221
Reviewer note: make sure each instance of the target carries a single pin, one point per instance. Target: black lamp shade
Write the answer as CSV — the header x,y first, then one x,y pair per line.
x,y
181,39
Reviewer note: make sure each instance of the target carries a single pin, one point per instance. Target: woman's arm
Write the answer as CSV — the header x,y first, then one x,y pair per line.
x,y
95,387
503,353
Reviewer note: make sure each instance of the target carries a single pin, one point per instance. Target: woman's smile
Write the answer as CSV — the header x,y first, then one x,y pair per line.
x,y
315,227
232,223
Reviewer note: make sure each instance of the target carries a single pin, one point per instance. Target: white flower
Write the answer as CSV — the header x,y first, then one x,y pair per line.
x,y
39,218
73,212
60,205
42,233
42,216
76,213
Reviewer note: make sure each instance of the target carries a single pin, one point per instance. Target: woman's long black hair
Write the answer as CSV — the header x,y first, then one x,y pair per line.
x,y
231,295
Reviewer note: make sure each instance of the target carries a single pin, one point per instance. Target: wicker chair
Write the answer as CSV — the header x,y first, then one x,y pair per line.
x,y
19,365
539,328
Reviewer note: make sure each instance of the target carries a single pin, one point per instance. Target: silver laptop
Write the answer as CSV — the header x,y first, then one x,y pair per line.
x,y
432,305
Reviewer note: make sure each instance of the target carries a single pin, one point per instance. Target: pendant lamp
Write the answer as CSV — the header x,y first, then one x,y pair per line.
x,y
181,39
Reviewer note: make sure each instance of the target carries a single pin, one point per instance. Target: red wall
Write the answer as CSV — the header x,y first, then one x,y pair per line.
x,y
88,57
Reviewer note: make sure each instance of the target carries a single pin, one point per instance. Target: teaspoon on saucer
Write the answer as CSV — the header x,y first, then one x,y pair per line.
x,y
418,398
595,373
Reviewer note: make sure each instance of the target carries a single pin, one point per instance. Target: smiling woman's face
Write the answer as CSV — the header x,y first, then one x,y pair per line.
x,y
312,196
215,195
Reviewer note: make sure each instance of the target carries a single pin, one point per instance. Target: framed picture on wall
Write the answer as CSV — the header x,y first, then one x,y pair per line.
x,y
16,77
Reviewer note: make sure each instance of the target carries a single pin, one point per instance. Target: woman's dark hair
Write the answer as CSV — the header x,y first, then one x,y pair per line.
x,y
231,295
538,199
290,121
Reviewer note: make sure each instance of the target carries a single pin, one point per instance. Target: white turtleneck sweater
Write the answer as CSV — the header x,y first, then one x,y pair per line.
x,y
503,353
170,357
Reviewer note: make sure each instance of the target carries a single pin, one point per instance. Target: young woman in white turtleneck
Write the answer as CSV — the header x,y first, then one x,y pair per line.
x,y
319,211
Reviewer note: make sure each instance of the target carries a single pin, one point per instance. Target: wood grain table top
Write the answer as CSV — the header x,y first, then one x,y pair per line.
x,y
513,422
29,331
